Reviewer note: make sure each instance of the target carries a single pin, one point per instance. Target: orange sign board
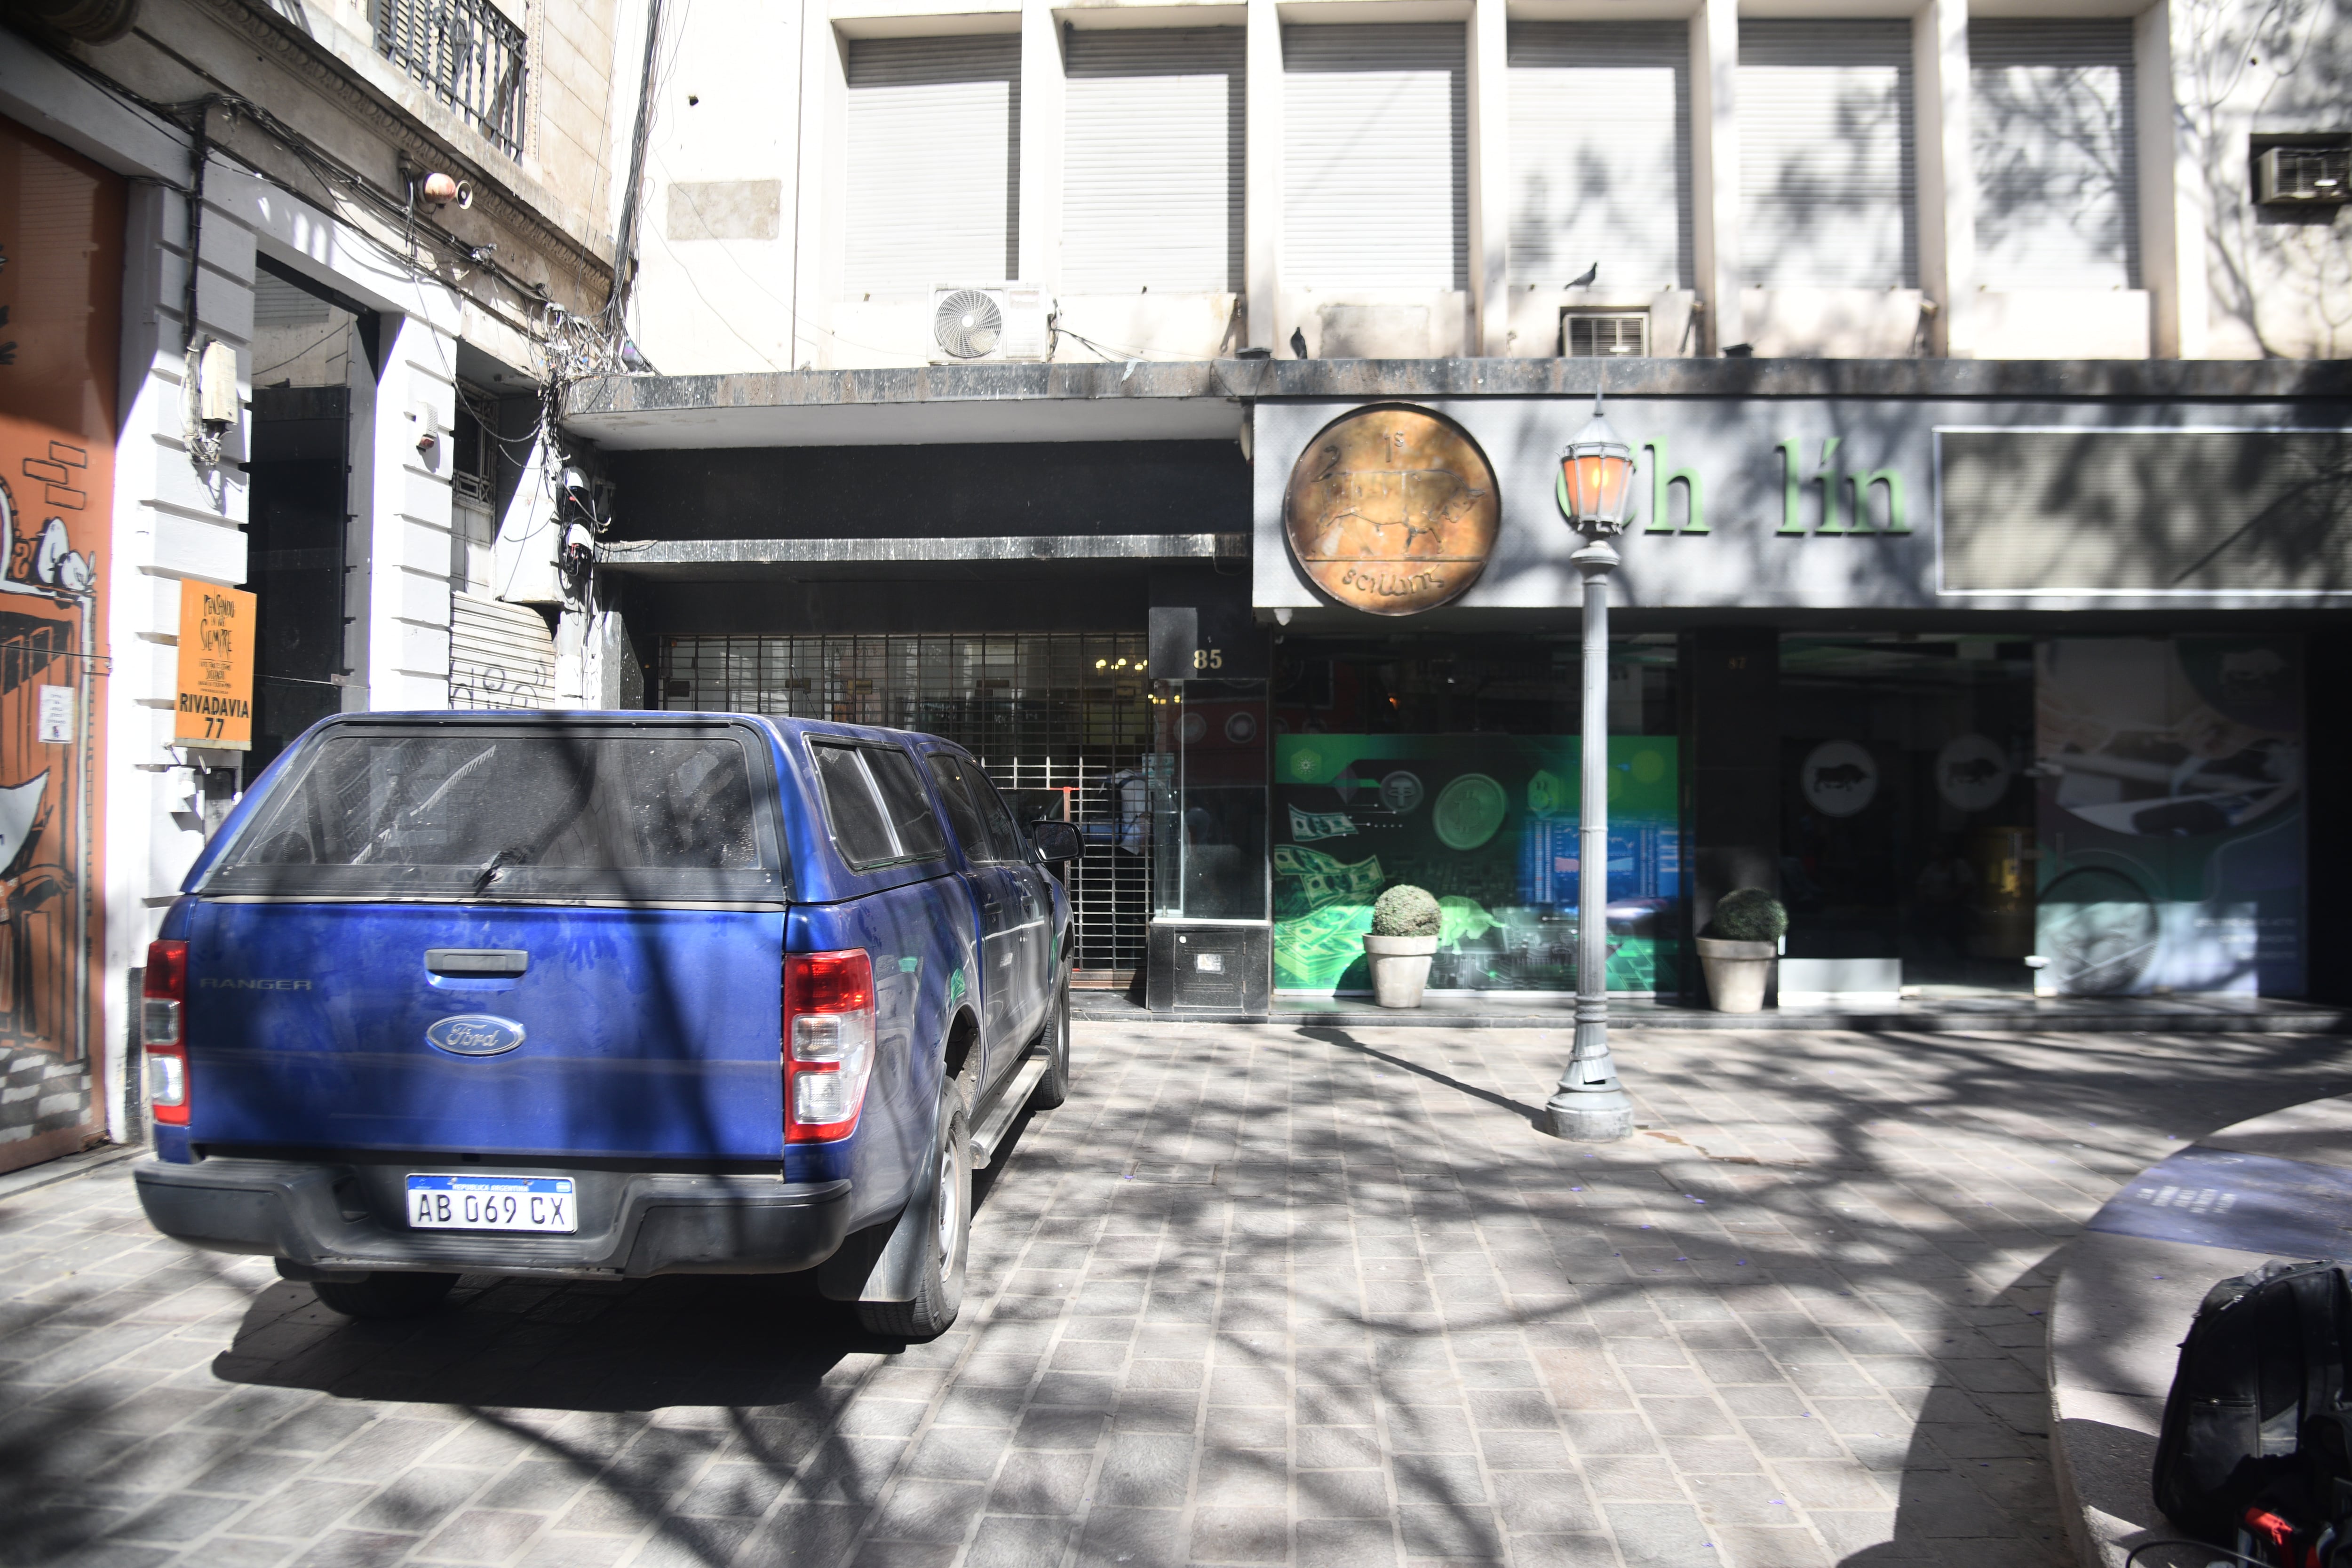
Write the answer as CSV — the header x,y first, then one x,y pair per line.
x,y
214,706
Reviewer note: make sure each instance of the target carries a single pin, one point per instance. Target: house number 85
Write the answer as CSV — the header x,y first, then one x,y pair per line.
x,y
1208,658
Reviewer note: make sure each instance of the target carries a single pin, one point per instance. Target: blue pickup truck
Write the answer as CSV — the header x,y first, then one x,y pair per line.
x,y
606,995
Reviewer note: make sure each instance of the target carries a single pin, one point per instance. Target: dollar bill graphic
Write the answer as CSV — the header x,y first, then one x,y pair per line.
x,y
1319,880
1308,825
1313,950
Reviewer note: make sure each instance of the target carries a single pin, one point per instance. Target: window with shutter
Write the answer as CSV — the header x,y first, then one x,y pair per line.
x,y
1828,162
1375,167
1601,156
1151,170
934,154
2050,133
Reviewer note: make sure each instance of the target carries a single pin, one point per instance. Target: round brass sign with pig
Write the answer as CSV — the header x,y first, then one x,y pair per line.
x,y
1392,511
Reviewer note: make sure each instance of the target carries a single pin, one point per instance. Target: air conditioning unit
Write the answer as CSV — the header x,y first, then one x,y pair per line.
x,y
1601,334
2304,175
971,322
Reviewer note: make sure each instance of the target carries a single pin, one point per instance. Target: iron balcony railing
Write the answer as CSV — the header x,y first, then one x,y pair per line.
x,y
468,53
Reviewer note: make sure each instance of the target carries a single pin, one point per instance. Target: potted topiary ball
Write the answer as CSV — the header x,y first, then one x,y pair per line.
x,y
1405,925
1737,948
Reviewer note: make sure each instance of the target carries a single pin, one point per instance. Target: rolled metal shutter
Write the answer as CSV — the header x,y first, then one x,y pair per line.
x,y
934,152
1376,188
1601,154
1151,169
1828,167
501,655
2057,171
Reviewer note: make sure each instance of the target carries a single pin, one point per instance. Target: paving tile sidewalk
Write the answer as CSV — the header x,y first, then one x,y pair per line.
x,y
1256,1295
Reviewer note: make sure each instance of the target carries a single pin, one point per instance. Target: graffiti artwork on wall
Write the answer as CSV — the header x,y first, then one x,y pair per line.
x,y
60,291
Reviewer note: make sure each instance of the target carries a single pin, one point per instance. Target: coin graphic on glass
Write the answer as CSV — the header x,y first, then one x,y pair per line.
x,y
1401,792
1469,811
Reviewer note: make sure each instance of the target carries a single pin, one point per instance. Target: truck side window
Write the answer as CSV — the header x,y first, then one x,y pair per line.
x,y
1012,844
909,805
859,828
949,772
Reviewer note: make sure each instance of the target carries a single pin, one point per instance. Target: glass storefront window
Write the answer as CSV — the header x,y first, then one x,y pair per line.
x,y
1207,776
1451,764
1907,817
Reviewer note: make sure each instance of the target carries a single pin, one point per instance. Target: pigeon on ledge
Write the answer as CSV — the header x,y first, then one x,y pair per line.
x,y
1589,274
1299,343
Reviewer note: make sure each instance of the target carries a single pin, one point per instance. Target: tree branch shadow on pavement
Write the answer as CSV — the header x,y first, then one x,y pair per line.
x,y
1539,1119
576,1370
1972,1476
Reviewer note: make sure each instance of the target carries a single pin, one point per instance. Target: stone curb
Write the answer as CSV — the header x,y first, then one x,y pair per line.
x,y
2116,1317
65,1168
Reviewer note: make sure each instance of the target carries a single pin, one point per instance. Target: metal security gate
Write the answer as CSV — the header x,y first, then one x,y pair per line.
x,y
500,656
1061,721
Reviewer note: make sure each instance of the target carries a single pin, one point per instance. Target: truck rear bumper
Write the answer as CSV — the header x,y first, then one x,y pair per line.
x,y
332,1218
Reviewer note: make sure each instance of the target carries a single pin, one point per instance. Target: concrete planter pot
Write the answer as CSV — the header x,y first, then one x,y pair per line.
x,y
1399,966
1737,972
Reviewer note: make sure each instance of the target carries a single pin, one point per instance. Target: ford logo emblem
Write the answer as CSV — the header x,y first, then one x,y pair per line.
x,y
475,1035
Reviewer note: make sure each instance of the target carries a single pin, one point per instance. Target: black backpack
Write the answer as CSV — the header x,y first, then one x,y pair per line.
x,y
2264,1357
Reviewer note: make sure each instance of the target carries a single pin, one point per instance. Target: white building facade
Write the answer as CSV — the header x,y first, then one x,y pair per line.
x,y
1429,178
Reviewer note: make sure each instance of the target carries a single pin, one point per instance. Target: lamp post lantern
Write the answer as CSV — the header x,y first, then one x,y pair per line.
x,y
1596,493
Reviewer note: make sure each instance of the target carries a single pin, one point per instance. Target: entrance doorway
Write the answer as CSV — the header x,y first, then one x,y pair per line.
x,y
307,350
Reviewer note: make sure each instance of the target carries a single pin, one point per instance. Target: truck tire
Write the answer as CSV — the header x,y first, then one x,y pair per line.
x,y
1055,1040
384,1295
938,1293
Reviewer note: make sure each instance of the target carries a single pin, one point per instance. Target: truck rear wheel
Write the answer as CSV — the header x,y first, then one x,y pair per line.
x,y
1055,1086
384,1295
938,1294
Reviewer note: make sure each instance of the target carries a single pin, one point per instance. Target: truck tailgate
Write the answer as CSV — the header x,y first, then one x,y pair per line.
x,y
645,1032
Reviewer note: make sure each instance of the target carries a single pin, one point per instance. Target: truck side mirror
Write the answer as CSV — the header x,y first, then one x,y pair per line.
x,y
1055,841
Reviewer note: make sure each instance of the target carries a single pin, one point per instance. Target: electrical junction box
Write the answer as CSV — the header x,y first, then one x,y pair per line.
x,y
1210,967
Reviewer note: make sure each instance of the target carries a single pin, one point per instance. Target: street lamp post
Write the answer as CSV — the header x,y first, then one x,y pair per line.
x,y
1596,493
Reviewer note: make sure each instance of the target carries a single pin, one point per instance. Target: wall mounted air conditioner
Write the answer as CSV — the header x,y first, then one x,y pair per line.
x,y
1587,333
976,322
2305,174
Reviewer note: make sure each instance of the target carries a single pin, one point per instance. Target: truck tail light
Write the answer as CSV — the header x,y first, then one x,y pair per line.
x,y
163,1008
828,1042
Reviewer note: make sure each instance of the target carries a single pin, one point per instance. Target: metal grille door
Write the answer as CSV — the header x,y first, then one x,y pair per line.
x,y
1055,718
2050,121
1601,154
1828,166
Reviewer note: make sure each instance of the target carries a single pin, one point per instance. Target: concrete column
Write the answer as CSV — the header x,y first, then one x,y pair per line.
x,y
2174,218
1042,95
1715,170
405,582
1490,179
172,520
1262,169
1947,185
1731,722
819,167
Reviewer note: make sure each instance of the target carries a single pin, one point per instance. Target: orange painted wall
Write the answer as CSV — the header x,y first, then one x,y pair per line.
x,y
61,236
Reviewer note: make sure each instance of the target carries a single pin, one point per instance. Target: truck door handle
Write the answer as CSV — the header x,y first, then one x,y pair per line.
x,y
475,962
